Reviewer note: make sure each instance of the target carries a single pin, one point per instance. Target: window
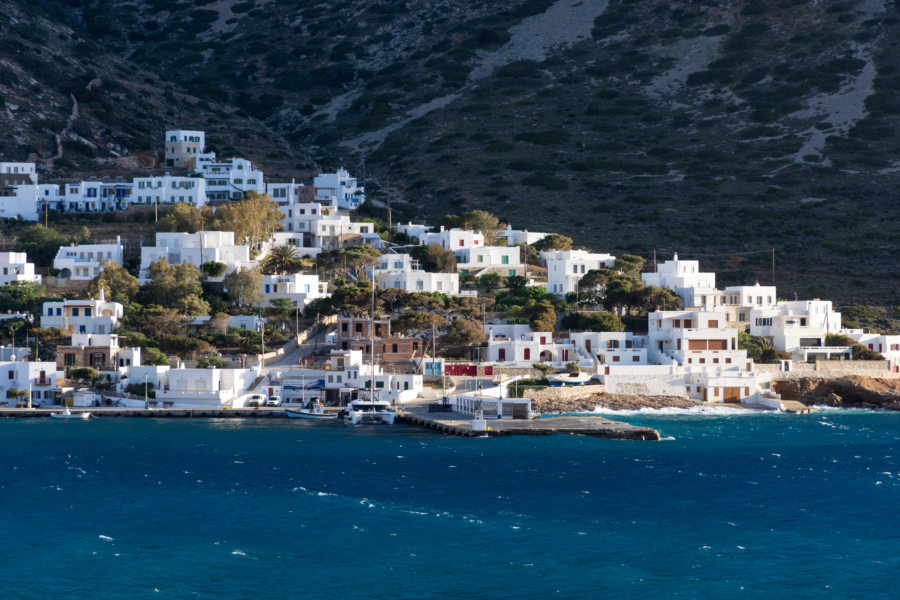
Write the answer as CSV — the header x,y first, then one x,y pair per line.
x,y
394,348
74,312
635,358
527,354
87,312
12,374
616,358
504,260
68,360
713,324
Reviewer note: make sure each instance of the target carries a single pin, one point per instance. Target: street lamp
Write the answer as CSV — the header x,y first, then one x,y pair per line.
x,y
146,400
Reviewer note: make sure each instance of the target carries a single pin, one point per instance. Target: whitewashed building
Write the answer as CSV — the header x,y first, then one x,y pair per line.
x,y
565,268
740,299
231,179
315,225
169,189
299,288
349,376
339,189
38,377
693,337
695,288
84,316
196,249
521,236
82,262
27,169
518,345
205,388
479,260
14,267
453,239
886,345
799,327
612,347
413,230
403,272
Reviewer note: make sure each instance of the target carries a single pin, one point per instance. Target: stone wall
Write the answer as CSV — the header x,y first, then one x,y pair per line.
x,y
830,369
578,392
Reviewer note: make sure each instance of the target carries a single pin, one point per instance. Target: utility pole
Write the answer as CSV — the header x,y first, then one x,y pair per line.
x,y
146,400
654,261
389,203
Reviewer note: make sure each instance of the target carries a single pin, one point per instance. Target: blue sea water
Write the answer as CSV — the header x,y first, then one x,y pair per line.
x,y
750,506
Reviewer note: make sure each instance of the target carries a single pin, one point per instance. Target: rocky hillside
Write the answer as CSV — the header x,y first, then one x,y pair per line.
x,y
715,129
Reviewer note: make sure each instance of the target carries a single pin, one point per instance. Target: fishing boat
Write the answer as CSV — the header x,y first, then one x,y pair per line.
x,y
369,411
568,378
313,411
67,414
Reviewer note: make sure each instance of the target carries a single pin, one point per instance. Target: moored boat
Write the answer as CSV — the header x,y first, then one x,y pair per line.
x,y
67,414
369,411
313,412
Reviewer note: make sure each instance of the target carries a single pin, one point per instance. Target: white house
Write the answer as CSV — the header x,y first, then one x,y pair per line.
x,y
196,249
339,189
565,268
695,288
693,337
317,225
84,316
20,168
453,239
19,202
886,345
479,260
402,271
39,377
521,236
205,388
169,189
14,266
612,347
349,374
518,345
413,231
299,288
231,179
82,262
798,327
183,146
740,299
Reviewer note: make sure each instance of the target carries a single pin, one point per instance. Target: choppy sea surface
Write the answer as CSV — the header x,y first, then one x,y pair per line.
x,y
728,506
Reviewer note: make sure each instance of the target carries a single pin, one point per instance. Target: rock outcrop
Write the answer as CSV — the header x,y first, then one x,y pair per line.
x,y
847,392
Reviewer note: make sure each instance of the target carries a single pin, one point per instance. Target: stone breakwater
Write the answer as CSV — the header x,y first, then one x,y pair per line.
x,y
587,398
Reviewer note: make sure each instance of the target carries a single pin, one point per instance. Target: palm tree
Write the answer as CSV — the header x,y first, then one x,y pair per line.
x,y
282,261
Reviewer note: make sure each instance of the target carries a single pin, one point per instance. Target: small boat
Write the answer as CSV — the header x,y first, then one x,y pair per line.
x,y
66,414
369,411
315,412
568,378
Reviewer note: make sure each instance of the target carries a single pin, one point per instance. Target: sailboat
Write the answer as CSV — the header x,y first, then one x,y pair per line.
x,y
370,410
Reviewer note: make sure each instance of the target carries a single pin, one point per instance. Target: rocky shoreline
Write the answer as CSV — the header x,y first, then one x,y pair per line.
x,y
846,392
589,397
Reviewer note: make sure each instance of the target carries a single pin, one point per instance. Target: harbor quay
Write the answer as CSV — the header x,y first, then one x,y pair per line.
x,y
448,423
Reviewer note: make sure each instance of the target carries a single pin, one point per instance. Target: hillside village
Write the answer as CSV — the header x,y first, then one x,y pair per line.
x,y
256,290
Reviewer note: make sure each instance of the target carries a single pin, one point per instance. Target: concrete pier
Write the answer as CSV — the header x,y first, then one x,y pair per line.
x,y
152,413
457,424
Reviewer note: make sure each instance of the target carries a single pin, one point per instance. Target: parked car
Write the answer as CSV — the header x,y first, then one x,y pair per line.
x,y
273,401
255,401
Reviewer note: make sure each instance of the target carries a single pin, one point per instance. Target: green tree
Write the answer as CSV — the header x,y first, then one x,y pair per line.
x,y
153,356
414,322
211,360
214,268
185,217
592,287
651,297
476,220
117,284
173,286
541,315
594,321
434,259
553,241
282,260
41,243
488,282
393,299
361,259
630,264
460,336
244,286
252,219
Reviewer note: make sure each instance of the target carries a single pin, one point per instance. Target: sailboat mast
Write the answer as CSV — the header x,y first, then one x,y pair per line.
x,y
372,338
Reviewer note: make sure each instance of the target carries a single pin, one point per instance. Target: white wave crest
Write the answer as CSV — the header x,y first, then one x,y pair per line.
x,y
671,410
